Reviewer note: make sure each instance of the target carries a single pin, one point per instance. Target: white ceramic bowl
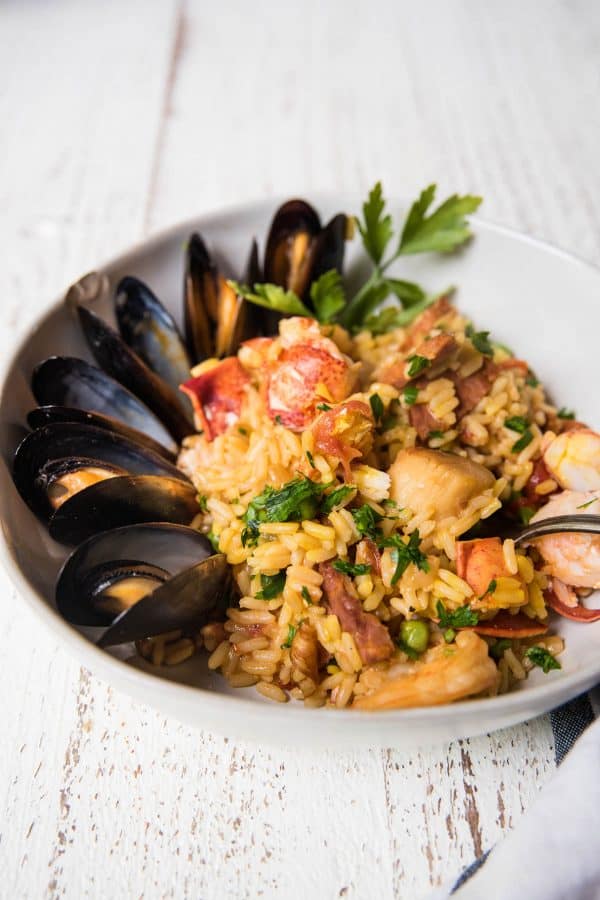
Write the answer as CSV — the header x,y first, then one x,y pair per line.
x,y
540,301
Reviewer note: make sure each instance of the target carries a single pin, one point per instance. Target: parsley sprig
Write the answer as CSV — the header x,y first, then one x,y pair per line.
x,y
403,554
541,657
463,617
424,230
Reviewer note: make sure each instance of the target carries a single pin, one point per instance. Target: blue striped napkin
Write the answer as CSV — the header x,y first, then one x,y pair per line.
x,y
553,853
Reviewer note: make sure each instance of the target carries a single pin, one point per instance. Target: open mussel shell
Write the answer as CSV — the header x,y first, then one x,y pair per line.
x,y
143,580
298,249
123,500
119,360
47,415
80,447
71,382
150,330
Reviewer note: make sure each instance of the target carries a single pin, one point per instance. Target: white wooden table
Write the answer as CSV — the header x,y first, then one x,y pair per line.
x,y
120,117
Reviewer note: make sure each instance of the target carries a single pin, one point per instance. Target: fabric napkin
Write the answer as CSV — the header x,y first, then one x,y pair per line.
x,y
554,851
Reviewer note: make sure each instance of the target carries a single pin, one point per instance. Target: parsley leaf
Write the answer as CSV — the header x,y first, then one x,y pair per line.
x,y
306,595
394,317
376,228
214,540
463,617
324,407
435,435
271,296
327,295
410,651
497,649
524,441
290,637
278,420
541,657
526,513
490,588
443,230
480,340
403,554
377,407
295,501
272,586
517,423
310,458
336,498
410,394
347,568
531,380
366,519
565,413
201,500
417,364
409,293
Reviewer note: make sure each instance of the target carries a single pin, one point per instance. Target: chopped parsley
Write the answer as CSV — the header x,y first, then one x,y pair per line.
x,y
324,407
417,364
214,540
403,554
517,423
278,420
295,501
347,568
336,498
201,500
410,651
272,586
435,435
497,649
480,340
524,441
526,513
290,637
310,458
541,657
376,406
306,595
243,431
589,503
410,394
366,519
463,617
565,413
531,380
490,588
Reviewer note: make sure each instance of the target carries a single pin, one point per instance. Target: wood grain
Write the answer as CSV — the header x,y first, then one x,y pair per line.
x,y
119,118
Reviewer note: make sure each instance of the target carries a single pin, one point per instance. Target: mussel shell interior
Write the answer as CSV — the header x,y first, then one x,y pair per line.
x,y
47,415
150,330
120,501
118,360
71,382
60,479
168,548
113,587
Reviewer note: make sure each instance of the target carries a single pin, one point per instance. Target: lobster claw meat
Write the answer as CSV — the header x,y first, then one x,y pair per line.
x,y
217,395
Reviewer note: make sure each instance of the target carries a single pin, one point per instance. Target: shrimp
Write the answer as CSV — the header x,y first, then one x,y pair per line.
x,y
573,459
450,673
572,558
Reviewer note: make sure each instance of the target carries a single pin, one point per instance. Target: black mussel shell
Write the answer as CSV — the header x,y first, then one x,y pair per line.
x,y
290,238
192,584
299,250
59,479
71,382
119,361
47,415
216,317
123,500
149,329
74,440
200,299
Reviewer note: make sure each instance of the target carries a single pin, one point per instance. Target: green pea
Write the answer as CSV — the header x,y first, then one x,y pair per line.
x,y
415,634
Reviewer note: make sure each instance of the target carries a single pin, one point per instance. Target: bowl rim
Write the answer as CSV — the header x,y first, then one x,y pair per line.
x,y
139,682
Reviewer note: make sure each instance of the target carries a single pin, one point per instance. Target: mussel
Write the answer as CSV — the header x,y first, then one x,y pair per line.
x,y
216,318
67,381
81,479
120,361
143,580
299,249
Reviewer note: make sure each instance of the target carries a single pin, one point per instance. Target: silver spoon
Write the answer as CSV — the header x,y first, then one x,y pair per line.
x,y
558,525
